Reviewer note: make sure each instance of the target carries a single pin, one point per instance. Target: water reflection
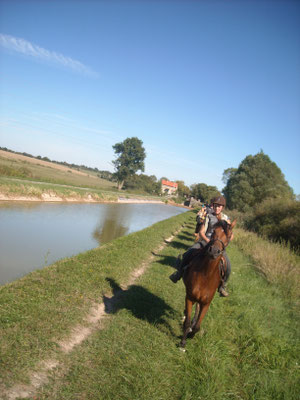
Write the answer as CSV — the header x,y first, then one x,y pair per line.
x,y
112,227
33,235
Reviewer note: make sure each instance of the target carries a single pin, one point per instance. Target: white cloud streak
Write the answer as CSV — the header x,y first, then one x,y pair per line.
x,y
26,48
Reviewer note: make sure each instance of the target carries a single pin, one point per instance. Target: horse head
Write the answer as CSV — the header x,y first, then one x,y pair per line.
x,y
220,239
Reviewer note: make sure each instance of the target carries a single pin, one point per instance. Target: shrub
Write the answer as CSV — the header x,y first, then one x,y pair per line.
x,y
15,171
278,220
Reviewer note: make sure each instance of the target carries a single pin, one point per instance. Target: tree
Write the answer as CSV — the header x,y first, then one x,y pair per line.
x,y
183,190
256,179
227,174
204,192
143,183
131,156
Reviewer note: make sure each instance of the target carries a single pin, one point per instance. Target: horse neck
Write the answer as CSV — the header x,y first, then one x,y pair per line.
x,y
208,264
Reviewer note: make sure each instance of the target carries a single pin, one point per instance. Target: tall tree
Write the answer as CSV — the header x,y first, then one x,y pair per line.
x,y
143,183
204,192
131,155
256,179
227,174
183,190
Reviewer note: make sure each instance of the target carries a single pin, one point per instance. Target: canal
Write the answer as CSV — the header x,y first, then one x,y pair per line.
x,y
34,235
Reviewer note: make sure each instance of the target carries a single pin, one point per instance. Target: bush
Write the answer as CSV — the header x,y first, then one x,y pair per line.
x,y
15,171
278,220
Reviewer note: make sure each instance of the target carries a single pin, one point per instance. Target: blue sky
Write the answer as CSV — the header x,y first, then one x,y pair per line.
x,y
202,83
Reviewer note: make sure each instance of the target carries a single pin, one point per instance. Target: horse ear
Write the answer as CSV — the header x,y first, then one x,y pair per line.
x,y
233,224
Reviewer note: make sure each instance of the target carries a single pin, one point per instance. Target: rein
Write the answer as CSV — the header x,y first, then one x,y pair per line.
x,y
212,242
219,240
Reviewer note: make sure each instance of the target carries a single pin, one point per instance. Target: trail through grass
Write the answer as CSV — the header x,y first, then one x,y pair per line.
x,y
248,347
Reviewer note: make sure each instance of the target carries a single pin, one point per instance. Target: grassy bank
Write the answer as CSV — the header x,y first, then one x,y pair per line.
x,y
275,261
14,165
249,348
42,307
16,189
24,177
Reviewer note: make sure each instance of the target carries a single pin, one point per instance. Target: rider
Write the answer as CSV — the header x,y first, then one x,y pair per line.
x,y
200,217
206,232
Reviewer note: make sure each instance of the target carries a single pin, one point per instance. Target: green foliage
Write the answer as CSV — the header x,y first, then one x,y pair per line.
x,y
277,219
227,174
183,190
131,156
143,183
106,175
204,192
20,172
256,179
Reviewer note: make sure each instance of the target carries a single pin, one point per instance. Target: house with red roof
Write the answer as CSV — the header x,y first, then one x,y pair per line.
x,y
169,188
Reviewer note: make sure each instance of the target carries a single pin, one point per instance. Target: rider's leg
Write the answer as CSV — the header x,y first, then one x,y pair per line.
x,y
182,263
221,289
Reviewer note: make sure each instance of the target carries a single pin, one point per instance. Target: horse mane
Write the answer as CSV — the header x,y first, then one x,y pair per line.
x,y
224,225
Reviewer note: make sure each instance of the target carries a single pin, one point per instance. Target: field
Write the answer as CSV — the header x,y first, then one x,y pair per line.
x,y
44,171
106,325
26,178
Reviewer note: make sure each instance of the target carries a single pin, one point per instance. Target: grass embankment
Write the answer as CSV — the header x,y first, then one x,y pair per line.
x,y
42,307
24,178
249,349
19,166
21,189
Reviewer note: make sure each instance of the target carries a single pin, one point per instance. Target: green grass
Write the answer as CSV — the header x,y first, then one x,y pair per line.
x,y
23,188
248,347
19,177
17,188
42,307
50,174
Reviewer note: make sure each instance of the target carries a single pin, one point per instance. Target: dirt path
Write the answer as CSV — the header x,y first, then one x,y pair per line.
x,y
93,321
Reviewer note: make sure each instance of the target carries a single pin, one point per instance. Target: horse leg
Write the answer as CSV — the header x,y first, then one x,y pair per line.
x,y
187,322
197,310
203,311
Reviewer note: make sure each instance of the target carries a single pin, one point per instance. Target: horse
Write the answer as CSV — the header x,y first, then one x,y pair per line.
x,y
203,276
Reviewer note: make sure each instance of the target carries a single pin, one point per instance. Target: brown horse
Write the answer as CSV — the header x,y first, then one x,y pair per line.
x,y
203,277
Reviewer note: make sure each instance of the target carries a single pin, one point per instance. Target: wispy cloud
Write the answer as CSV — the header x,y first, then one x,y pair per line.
x,y
22,46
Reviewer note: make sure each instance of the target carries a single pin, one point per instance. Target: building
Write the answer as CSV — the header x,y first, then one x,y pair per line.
x,y
169,188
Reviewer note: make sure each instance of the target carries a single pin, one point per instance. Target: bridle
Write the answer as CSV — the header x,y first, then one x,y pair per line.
x,y
222,243
212,251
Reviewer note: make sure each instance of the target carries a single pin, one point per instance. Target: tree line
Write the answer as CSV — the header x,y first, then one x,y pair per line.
x,y
256,190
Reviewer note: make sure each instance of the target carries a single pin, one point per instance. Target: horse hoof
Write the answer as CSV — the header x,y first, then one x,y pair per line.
x,y
182,349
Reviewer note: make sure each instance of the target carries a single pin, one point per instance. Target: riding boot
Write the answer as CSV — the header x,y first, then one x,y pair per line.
x,y
222,291
177,275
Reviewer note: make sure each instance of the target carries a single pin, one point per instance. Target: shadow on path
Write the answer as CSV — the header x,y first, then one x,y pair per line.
x,y
141,303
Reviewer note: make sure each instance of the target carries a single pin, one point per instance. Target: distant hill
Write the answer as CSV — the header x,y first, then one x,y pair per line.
x,y
107,175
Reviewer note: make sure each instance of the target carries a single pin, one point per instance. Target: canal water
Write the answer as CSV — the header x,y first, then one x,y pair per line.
x,y
34,235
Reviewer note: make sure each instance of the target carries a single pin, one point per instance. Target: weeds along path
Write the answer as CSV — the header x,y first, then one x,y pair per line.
x,y
248,347
93,322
